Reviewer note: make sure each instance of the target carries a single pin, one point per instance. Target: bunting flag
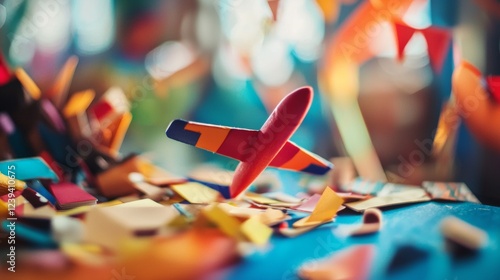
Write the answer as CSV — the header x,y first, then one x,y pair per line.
x,y
493,85
438,40
4,71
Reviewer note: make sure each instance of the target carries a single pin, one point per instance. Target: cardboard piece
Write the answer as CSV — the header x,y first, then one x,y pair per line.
x,y
404,197
110,226
449,191
69,195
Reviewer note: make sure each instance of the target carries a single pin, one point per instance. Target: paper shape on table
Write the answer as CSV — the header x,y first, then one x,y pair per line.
x,y
406,255
196,193
84,209
7,182
110,226
28,84
69,195
225,222
309,204
463,234
156,175
283,197
391,189
261,199
362,186
150,191
58,93
78,103
46,211
35,199
372,222
449,191
348,196
29,169
39,188
257,232
326,209
351,263
405,197
268,216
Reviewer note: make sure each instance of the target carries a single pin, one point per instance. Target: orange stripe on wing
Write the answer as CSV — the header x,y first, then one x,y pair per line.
x,y
211,137
301,160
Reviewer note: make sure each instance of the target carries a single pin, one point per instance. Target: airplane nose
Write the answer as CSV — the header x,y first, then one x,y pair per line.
x,y
176,131
296,104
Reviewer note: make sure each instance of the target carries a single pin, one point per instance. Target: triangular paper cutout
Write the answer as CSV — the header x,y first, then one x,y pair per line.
x,y
403,36
438,40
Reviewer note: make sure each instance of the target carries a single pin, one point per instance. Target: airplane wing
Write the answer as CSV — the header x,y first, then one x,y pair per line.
x,y
293,157
223,140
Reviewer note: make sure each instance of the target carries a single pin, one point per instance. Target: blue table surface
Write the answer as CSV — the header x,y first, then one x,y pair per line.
x,y
413,224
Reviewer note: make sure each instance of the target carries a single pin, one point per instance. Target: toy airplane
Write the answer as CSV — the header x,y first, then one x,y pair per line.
x,y
257,149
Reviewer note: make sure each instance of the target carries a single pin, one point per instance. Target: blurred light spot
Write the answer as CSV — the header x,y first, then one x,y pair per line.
x,y
418,15
207,26
167,59
272,63
94,25
417,46
51,20
384,45
244,22
3,15
228,71
302,26
22,49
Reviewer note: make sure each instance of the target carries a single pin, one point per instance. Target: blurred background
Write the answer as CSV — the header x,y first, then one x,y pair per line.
x,y
230,62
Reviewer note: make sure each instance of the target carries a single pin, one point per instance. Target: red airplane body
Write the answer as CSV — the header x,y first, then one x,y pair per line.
x,y
257,149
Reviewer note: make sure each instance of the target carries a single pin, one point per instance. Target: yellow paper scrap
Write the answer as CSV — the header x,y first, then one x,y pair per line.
x,y
196,192
6,182
256,231
326,208
4,212
78,103
225,222
28,83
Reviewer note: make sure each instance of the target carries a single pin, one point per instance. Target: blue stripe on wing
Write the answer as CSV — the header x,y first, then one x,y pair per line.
x,y
176,131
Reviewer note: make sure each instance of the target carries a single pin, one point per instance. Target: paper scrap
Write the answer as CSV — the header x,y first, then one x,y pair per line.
x,y
256,231
462,233
6,183
372,222
326,209
226,223
196,192
449,191
405,197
